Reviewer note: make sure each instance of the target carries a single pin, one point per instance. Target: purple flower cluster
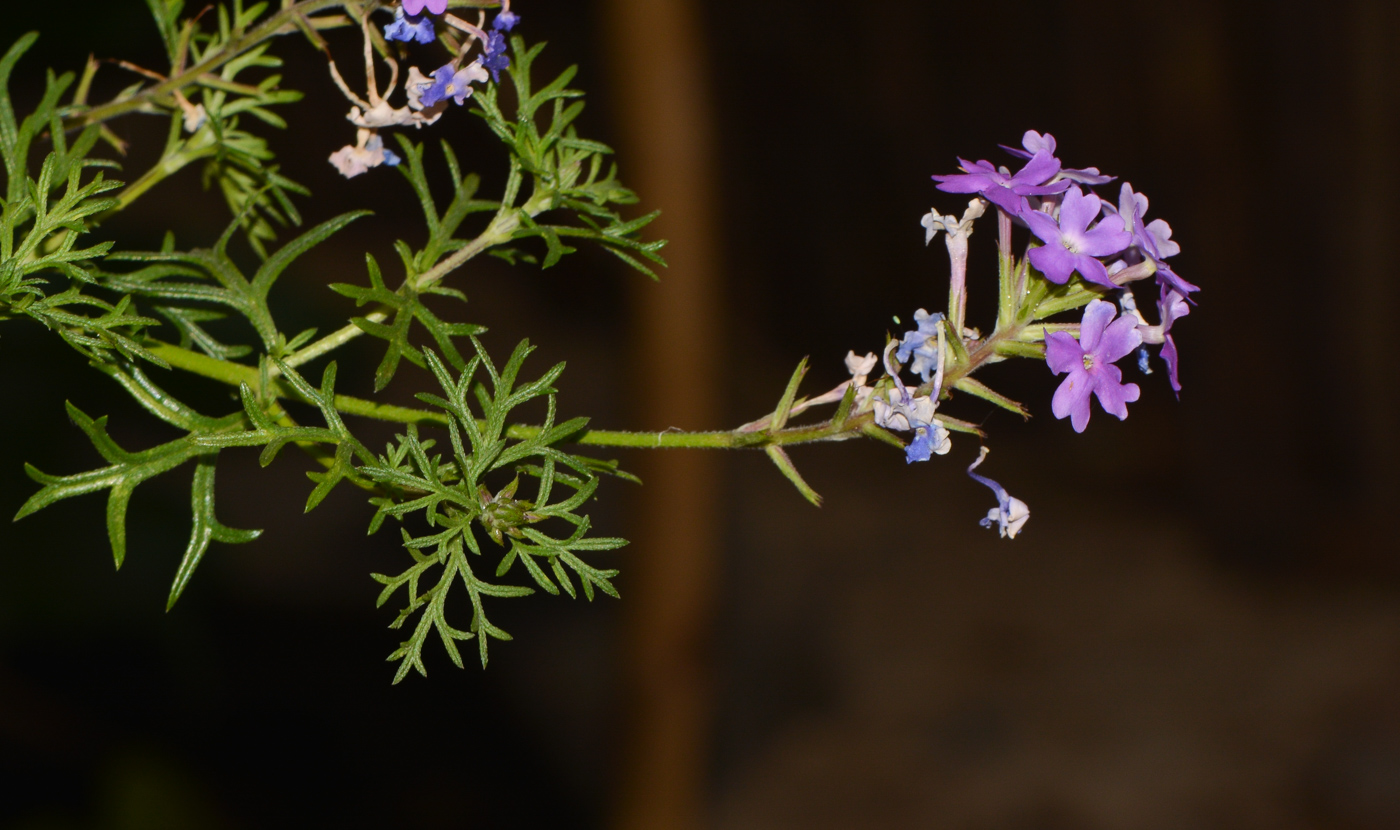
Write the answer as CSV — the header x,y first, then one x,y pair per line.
x,y
1082,233
1089,236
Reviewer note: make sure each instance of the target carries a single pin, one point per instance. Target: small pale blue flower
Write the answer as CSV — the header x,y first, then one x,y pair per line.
x,y
922,344
409,28
505,21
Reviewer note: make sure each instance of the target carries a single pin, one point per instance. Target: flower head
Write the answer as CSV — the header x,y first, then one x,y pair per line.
x,y
904,412
1089,362
505,21
899,409
368,152
415,7
448,83
495,58
860,367
409,28
1070,244
1001,186
922,343
1010,514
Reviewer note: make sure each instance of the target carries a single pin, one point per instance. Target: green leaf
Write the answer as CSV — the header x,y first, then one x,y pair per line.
x,y
274,265
979,389
206,529
789,470
780,415
128,470
452,494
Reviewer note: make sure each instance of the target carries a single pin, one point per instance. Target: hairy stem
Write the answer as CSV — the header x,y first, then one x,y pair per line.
x,y
236,373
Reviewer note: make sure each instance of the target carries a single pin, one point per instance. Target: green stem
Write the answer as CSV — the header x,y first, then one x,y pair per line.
x,y
501,229
236,373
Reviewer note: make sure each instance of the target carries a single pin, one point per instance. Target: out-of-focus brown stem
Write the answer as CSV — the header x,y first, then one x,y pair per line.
x,y
667,155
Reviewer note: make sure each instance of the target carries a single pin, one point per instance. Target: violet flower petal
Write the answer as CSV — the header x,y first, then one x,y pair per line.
x,y
1170,357
1114,395
1078,210
1038,170
1063,352
1072,398
1054,261
1118,340
1096,318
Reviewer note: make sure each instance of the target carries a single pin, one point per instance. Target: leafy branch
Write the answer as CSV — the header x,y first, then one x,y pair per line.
x,y
452,494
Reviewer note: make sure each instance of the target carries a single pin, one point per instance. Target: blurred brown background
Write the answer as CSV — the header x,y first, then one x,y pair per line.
x,y
1199,628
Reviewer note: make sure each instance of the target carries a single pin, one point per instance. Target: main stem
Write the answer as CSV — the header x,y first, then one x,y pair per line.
x,y
236,374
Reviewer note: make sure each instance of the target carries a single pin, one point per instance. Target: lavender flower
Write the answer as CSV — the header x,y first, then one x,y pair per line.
x,y
455,85
1070,245
1172,306
415,7
495,58
1089,362
1034,143
1000,186
409,29
505,21
1153,239
922,343
1010,514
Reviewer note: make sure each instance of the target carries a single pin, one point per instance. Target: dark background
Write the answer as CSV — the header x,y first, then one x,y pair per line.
x,y
1200,626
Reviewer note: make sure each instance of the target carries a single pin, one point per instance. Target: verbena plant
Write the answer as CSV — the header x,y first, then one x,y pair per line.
x,y
497,503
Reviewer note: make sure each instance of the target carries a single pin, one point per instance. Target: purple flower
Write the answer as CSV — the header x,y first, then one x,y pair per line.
x,y
1153,239
415,7
1172,306
409,29
505,21
1001,187
1070,245
1089,361
1010,514
1035,143
449,84
495,58
922,343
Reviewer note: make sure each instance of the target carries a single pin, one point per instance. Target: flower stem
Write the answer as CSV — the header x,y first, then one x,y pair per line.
x,y
236,373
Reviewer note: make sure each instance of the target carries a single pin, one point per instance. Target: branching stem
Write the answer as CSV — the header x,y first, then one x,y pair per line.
x,y
281,22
